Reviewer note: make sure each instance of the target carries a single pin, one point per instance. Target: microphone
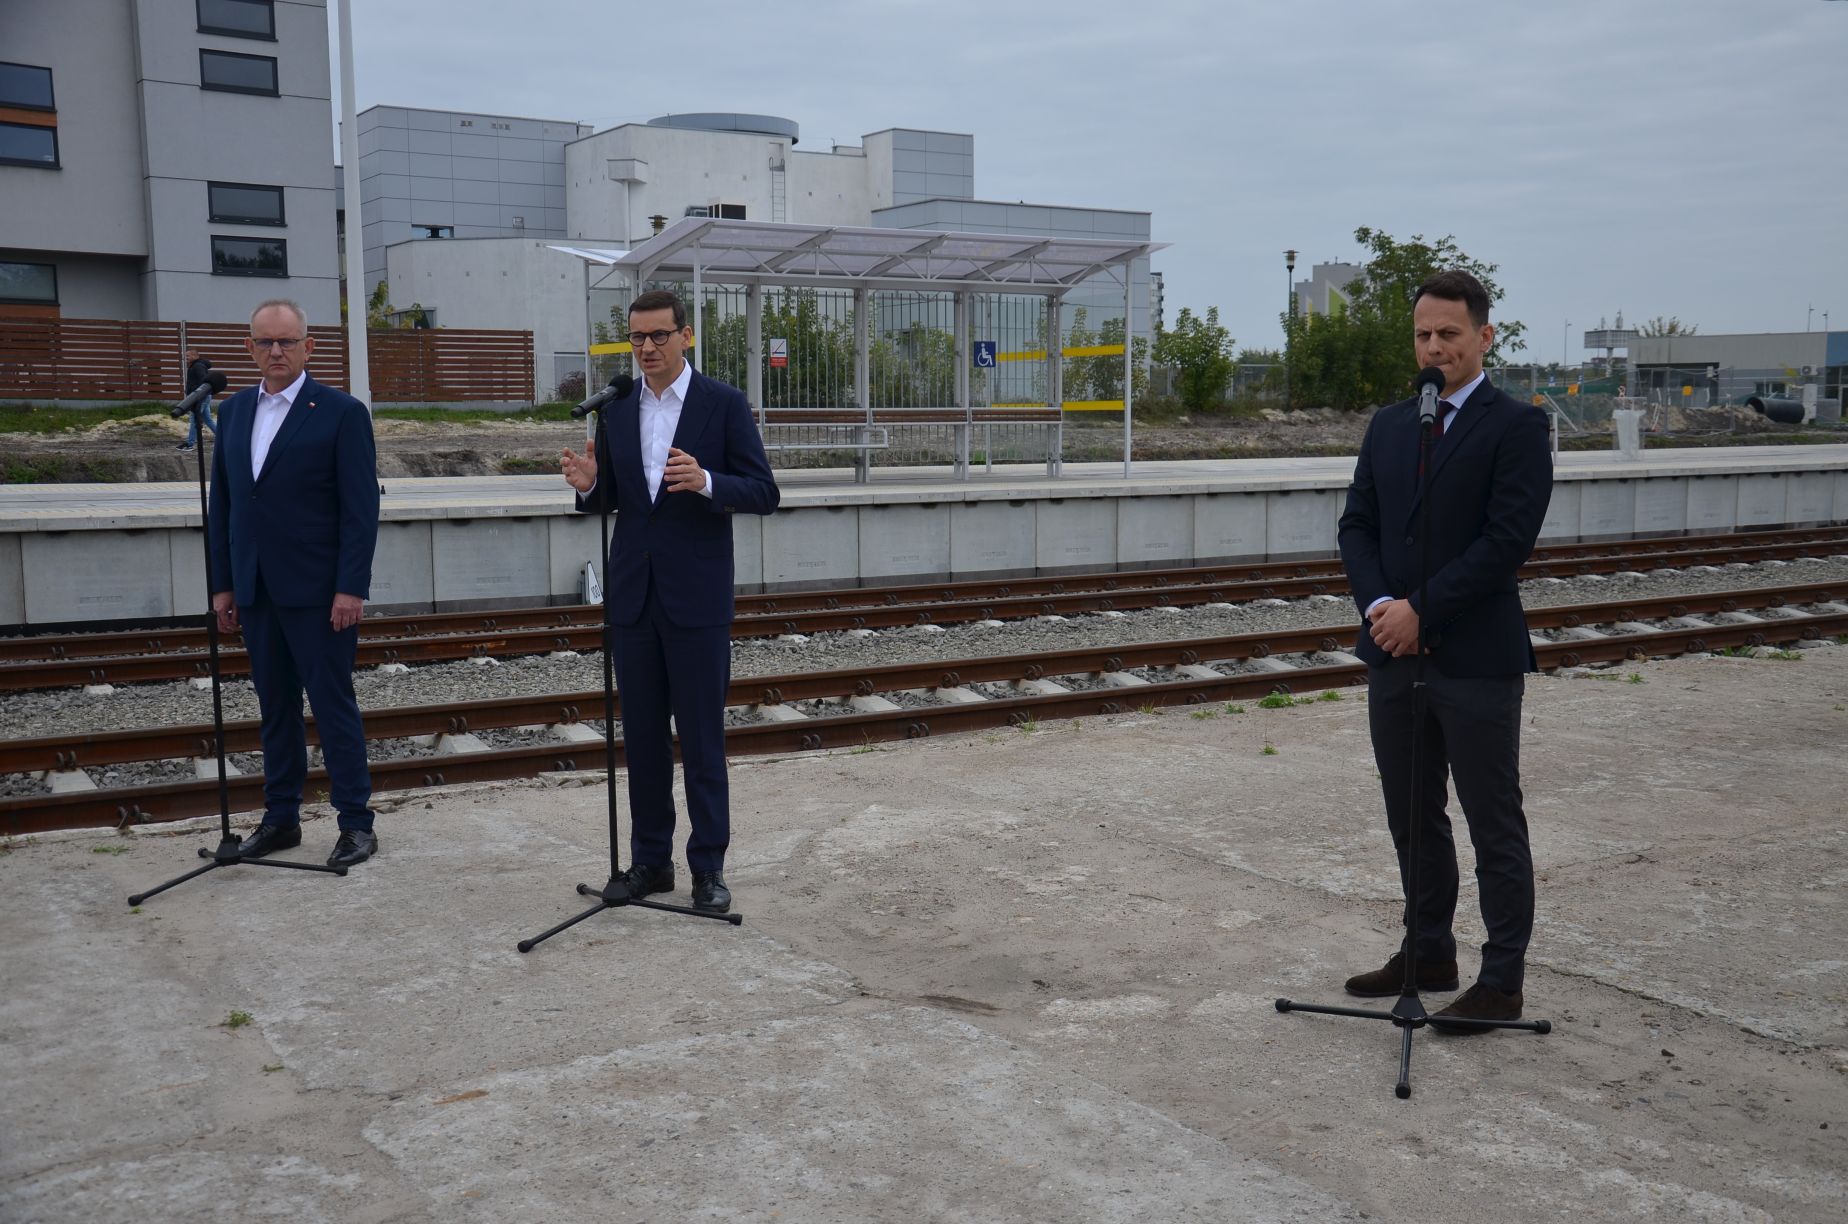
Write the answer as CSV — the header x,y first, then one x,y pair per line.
x,y
213,384
619,388
1430,382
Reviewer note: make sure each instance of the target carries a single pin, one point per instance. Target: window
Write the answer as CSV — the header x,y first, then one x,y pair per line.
x,y
26,86
728,212
249,256
28,145
436,231
237,73
36,283
245,203
238,18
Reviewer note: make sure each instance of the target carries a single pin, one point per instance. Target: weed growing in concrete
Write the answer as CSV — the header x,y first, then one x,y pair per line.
x,y
1330,695
1788,656
136,910
1736,652
1276,701
109,849
272,1067
1029,725
236,1020
1206,714
1147,707
1270,750
1233,707
1634,678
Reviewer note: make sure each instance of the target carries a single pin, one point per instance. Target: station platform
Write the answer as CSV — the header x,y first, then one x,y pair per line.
x,y
100,552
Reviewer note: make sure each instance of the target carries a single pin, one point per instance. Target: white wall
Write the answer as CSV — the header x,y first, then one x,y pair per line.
x,y
515,283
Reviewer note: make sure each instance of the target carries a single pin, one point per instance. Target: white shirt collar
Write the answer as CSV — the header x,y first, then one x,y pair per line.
x,y
287,394
1466,390
678,386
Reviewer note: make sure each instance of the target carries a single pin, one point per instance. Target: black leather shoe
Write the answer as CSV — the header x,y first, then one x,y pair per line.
x,y
269,838
1389,979
710,893
1479,1002
352,849
643,879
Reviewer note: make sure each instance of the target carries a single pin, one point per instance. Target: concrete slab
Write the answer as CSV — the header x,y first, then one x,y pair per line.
x,y
12,581
1762,499
905,542
1809,497
1562,512
1155,531
1661,506
1075,535
1713,503
1230,526
1607,508
993,538
403,567
811,550
97,575
490,562
1018,975
1302,523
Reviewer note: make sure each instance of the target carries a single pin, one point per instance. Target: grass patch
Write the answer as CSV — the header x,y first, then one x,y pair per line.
x,y
1276,701
50,419
110,849
1634,678
1029,725
1330,695
272,1067
1268,750
1787,656
1205,714
62,469
519,465
236,1020
1233,707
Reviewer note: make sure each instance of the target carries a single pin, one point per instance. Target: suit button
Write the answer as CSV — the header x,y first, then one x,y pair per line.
x,y
1409,541
644,554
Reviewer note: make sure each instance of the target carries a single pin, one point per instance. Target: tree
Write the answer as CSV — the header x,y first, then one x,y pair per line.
x,y
1360,354
1200,350
1101,378
1670,326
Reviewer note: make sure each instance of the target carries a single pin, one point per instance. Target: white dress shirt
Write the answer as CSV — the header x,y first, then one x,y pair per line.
x,y
658,419
271,411
1450,405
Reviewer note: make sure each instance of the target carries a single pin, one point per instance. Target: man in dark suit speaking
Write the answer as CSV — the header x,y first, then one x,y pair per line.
x,y
683,456
293,518
1491,478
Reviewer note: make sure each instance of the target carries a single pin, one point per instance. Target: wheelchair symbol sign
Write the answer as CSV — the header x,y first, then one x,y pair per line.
x,y
984,354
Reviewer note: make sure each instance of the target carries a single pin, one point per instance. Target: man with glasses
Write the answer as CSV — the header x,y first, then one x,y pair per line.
x,y
682,457
294,516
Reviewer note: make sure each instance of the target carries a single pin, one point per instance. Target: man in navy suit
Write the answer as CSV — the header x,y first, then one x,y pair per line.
x,y
1490,480
682,456
293,518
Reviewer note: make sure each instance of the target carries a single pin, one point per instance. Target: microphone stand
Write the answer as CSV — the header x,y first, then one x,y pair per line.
x,y
615,893
227,854
1408,1014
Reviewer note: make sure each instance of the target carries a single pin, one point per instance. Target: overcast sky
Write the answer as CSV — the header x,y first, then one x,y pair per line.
x,y
1659,157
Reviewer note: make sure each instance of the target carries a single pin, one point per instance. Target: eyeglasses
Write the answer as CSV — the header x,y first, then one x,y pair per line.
x,y
285,344
659,337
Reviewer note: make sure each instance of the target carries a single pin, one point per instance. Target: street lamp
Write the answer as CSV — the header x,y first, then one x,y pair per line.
x,y
1565,338
1289,326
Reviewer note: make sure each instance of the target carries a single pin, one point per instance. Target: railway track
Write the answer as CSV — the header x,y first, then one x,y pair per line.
x,y
854,707
54,661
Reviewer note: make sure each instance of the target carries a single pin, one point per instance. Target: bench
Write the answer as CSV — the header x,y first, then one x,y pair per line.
x,y
820,429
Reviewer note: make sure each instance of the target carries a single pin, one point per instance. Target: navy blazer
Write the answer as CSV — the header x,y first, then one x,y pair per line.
x,y
681,543
1491,480
309,522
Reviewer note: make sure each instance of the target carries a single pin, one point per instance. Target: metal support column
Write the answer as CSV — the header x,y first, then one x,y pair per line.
x,y
754,349
960,347
1055,361
1129,363
863,381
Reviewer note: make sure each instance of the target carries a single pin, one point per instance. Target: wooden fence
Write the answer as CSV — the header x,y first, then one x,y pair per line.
x,y
111,359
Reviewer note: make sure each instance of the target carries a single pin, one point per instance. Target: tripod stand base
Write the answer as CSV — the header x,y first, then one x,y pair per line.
x,y
613,896
1409,1015
226,854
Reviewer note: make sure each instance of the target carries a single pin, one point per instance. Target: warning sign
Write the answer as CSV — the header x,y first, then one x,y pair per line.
x,y
779,354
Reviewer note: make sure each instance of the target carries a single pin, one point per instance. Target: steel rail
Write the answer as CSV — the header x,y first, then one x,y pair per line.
x,y
174,801
1545,562
395,722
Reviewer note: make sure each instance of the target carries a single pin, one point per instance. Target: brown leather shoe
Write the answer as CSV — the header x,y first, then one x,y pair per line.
x,y
1479,1002
1389,979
